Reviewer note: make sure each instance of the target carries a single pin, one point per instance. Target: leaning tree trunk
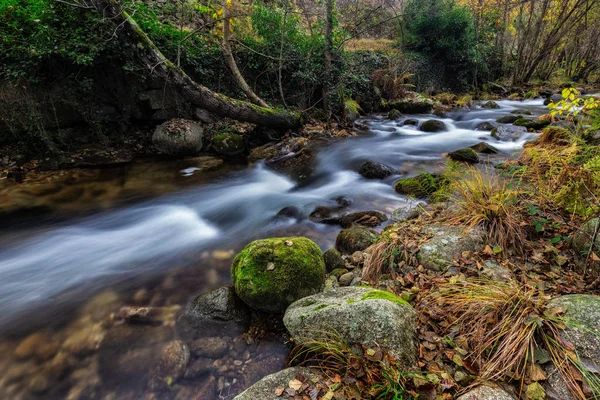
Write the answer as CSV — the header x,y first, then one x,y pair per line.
x,y
198,95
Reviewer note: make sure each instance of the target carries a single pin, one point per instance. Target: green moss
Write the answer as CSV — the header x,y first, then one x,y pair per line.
x,y
229,144
383,295
420,186
270,274
322,306
531,123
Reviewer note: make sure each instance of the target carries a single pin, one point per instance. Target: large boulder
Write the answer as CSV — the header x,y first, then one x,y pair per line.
x,y
216,313
486,393
534,124
355,238
266,388
466,154
446,243
270,274
508,133
416,105
375,170
229,144
363,316
490,104
420,186
432,125
582,317
178,137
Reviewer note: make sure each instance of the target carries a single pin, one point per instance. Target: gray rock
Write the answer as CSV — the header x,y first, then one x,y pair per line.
x,y
346,279
178,137
170,366
582,318
265,388
555,98
508,133
359,316
486,393
217,313
466,154
410,211
432,125
375,170
447,243
410,121
485,126
204,116
333,260
483,147
493,271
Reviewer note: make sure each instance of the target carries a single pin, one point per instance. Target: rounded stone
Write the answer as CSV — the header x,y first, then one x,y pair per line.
x,y
333,260
375,170
229,144
178,137
355,238
270,274
432,125
467,155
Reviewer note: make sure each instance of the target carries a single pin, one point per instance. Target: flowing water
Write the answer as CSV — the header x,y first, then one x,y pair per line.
x,y
175,234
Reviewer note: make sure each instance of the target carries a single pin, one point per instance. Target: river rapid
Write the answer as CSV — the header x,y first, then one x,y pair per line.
x,y
167,246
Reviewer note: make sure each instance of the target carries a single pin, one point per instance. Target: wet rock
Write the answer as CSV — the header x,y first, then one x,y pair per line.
x,y
582,318
417,105
170,366
375,170
204,116
486,393
410,211
432,125
229,144
360,316
178,137
467,155
555,98
495,272
85,340
521,112
365,218
101,305
394,115
447,243
490,104
410,121
582,240
270,274
210,347
199,367
545,93
534,124
290,212
485,126
325,215
206,390
508,133
145,315
333,260
508,119
355,238
420,186
346,279
39,345
343,202
266,387
217,313
484,148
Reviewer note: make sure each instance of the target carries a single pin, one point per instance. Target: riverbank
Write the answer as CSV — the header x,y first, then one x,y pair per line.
x,y
119,330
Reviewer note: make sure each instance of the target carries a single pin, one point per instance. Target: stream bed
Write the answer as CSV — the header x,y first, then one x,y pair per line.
x,y
160,234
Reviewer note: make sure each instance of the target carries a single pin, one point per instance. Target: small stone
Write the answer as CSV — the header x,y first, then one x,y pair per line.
x,y
346,279
210,347
432,125
333,260
357,258
483,147
467,155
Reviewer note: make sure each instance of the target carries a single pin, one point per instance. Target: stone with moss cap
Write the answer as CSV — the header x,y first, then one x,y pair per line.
x,y
420,186
229,144
355,238
270,274
357,315
534,124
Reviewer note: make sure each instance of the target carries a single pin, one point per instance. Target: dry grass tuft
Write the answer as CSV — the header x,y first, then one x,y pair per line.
x,y
370,45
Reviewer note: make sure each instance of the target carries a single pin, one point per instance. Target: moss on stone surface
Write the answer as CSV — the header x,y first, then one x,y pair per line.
x,y
383,295
355,238
270,274
420,186
229,144
531,123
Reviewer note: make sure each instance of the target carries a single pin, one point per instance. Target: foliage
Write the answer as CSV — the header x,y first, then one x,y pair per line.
x,y
573,104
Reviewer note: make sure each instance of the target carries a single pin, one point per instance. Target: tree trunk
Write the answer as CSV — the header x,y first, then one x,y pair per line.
x,y
198,95
328,53
237,75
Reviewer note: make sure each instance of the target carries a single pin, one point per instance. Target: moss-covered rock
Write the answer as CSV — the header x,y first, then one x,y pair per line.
x,y
490,104
531,123
508,119
432,125
394,115
467,155
333,260
229,144
417,105
522,112
355,238
420,186
270,274
483,147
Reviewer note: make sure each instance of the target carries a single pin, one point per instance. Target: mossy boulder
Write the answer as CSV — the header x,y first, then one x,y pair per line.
x,y
355,238
420,186
490,104
508,133
178,137
522,112
229,144
358,316
508,119
531,123
467,155
416,105
394,115
333,260
270,274
432,125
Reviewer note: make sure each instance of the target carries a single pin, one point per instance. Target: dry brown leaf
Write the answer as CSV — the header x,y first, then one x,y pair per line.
x,y
295,384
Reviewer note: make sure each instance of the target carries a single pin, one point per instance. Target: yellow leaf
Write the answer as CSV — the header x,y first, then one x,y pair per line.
x,y
295,384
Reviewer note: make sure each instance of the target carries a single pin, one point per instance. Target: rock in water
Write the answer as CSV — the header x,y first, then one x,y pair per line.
x,y
535,124
171,365
420,186
508,133
216,313
229,144
486,393
265,388
270,274
178,137
467,155
375,170
432,125
394,115
358,315
417,105
355,238
490,104
485,126
508,119
483,147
